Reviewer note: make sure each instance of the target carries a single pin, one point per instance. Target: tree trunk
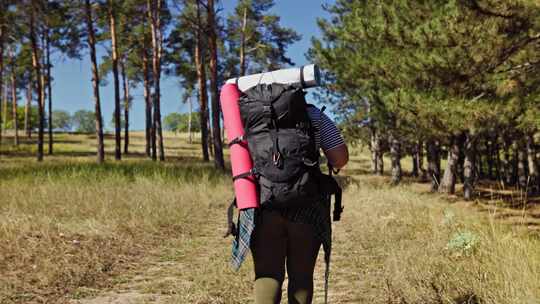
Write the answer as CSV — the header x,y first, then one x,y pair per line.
x,y
4,101
414,158
243,45
114,50
522,164
420,158
489,156
460,168
95,82
190,138
377,164
14,101
380,162
219,162
49,90
374,147
150,148
27,109
1,74
127,105
469,167
497,155
534,182
448,182
201,78
36,63
154,9
434,164
507,162
395,155
209,128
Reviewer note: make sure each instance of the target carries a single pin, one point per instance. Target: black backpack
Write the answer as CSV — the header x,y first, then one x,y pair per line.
x,y
281,141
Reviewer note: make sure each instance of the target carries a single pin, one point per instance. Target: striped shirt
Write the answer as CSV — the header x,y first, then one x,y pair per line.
x,y
327,135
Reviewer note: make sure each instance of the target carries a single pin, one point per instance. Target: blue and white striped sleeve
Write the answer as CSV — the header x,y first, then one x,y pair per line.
x,y
327,135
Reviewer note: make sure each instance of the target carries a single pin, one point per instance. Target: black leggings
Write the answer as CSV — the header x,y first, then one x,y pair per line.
x,y
278,241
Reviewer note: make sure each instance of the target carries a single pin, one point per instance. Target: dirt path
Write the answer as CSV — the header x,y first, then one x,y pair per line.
x,y
196,270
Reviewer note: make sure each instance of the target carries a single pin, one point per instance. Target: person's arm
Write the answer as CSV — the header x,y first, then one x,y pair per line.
x,y
332,143
338,156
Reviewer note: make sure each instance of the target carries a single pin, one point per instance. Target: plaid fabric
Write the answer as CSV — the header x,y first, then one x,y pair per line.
x,y
246,224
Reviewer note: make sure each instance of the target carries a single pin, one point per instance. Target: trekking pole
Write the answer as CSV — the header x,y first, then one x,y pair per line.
x,y
338,208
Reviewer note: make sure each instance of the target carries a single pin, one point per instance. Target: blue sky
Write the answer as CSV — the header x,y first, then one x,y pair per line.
x,y
72,87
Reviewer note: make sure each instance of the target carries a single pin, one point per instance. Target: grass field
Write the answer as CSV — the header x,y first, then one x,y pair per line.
x,y
136,231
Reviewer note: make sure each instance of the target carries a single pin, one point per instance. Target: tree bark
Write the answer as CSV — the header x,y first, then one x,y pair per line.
x,y
507,162
448,182
4,101
36,63
373,147
420,158
190,137
377,164
534,182
395,155
49,90
469,167
127,105
414,159
522,164
114,50
14,101
219,162
201,79
489,157
150,147
95,81
497,154
460,168
27,109
154,11
434,164
1,74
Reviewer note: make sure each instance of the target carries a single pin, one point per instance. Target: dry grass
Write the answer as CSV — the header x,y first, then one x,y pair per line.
x,y
141,232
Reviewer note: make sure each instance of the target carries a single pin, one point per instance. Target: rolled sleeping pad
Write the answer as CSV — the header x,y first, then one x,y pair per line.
x,y
244,182
307,76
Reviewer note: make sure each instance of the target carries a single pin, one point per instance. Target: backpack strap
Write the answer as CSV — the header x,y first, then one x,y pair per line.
x,y
238,140
231,227
253,172
269,115
302,80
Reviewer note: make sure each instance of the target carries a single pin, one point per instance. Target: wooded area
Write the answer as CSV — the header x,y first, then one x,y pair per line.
x,y
453,83
144,40
454,80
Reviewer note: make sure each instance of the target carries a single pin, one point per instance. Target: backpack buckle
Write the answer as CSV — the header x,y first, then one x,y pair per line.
x,y
267,111
276,158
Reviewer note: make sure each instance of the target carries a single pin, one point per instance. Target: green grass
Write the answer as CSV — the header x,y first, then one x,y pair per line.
x,y
137,232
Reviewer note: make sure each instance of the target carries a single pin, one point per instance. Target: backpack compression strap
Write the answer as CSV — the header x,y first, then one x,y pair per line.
x,y
238,140
269,115
253,172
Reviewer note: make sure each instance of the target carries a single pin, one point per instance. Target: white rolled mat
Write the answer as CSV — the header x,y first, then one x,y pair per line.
x,y
307,76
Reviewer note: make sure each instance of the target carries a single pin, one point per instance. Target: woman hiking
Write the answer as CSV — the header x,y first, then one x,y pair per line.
x,y
286,234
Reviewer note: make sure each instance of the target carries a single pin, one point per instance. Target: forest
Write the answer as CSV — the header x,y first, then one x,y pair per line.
x,y
438,103
144,41
454,80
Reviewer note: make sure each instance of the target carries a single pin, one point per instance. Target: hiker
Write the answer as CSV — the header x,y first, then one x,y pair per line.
x,y
284,135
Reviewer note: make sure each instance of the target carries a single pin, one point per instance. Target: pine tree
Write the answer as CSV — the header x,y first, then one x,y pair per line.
x,y
256,39
420,64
